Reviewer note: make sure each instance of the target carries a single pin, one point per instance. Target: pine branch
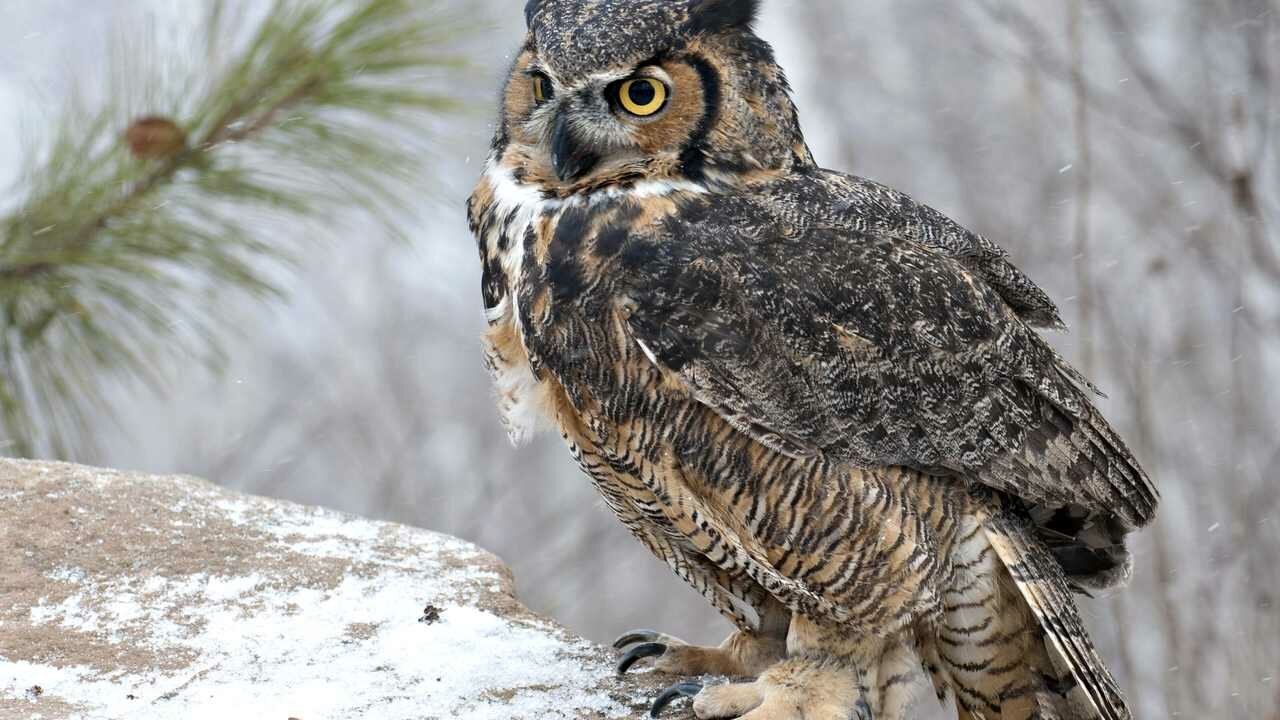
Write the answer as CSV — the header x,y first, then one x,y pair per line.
x,y
128,224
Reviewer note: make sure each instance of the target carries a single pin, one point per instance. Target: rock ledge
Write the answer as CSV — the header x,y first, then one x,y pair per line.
x,y
125,595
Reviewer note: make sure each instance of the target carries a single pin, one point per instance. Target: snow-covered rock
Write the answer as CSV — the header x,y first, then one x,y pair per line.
x,y
132,596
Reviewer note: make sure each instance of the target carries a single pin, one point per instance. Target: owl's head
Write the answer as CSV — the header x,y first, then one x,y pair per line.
x,y
611,92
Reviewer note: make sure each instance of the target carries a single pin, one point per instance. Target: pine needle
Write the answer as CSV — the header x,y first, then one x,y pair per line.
x,y
127,222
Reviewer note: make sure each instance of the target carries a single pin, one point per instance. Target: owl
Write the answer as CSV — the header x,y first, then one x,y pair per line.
x,y
825,406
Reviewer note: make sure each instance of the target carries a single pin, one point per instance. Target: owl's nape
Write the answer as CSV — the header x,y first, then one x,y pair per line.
x,y
607,93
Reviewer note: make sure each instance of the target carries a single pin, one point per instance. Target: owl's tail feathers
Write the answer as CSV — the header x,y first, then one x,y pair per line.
x,y
1075,685
1009,643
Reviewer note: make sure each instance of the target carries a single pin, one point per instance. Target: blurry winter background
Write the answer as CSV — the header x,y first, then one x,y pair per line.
x,y
1124,151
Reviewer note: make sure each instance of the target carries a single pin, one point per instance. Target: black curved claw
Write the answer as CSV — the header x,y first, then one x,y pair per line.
x,y
679,690
646,650
635,636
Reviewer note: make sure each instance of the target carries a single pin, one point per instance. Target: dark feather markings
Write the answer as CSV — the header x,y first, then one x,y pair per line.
x,y
564,272
693,157
493,283
531,8
708,16
878,338
610,240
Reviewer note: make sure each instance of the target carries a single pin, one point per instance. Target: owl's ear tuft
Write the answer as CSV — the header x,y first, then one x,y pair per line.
x,y
531,8
708,16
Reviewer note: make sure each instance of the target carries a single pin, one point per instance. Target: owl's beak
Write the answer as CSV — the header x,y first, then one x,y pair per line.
x,y
568,157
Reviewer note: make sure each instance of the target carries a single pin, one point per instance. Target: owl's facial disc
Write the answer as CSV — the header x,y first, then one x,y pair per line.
x,y
606,127
606,93
604,119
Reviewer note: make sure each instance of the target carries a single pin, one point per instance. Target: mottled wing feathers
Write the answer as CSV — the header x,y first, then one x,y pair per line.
x,y
1081,461
871,337
845,201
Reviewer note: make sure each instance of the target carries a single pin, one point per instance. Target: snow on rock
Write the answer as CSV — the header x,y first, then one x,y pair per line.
x,y
130,596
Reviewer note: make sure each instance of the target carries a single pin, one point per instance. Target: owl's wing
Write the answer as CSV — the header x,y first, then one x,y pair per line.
x,y
872,349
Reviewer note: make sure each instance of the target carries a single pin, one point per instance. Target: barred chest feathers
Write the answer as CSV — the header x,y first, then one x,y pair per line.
x,y
507,216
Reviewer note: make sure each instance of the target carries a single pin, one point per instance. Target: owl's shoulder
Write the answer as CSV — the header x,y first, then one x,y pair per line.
x,y
819,210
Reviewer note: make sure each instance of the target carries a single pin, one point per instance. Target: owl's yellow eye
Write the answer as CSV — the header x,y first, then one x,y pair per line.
x,y
642,97
542,90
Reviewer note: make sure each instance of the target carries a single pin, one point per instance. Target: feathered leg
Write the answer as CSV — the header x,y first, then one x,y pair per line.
x,y
829,675
899,680
798,688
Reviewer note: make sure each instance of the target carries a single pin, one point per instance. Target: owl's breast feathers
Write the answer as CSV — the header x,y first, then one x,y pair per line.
x,y
550,281
819,314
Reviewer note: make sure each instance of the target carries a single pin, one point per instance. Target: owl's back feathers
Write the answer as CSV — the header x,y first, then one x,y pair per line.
x,y
826,314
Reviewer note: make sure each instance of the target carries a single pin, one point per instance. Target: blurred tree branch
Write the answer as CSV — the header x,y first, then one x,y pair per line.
x,y
128,226
1167,117
1238,178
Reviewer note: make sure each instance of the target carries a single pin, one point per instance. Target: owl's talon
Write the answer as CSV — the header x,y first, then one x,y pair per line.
x,y
636,636
647,650
685,689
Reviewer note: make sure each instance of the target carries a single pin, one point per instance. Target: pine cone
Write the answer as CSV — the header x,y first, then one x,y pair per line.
x,y
155,138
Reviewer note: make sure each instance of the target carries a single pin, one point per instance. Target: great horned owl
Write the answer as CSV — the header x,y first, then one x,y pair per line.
x,y
823,404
